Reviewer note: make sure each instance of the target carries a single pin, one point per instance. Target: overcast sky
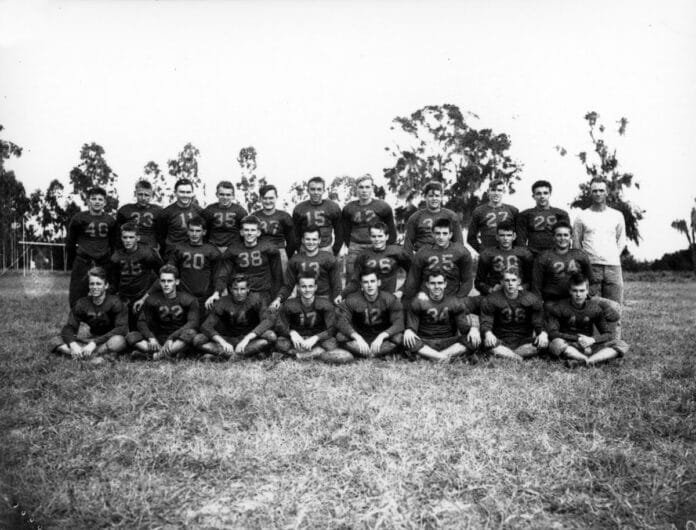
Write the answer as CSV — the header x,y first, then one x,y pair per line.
x,y
314,87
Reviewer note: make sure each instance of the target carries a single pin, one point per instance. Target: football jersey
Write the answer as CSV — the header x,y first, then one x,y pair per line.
x,y
171,224
386,262
144,217
512,318
237,319
326,216
454,262
552,271
222,223
419,228
278,229
317,319
134,271
535,227
162,316
325,268
260,263
431,319
566,321
90,236
484,222
198,266
494,261
104,321
357,314
358,218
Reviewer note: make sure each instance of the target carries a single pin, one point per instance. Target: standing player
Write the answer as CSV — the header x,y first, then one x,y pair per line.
x,y
359,215
494,261
371,321
276,225
487,216
419,227
324,213
383,258
142,212
535,225
90,240
512,320
171,224
222,218
438,326
571,325
168,322
453,260
322,264
237,325
104,314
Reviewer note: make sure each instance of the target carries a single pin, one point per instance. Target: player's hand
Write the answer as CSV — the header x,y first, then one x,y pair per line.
x,y
376,345
167,348
585,341
474,337
310,342
496,287
138,305
542,340
75,350
153,345
88,350
297,341
338,299
242,345
399,294
410,338
274,305
211,300
363,347
227,348
490,340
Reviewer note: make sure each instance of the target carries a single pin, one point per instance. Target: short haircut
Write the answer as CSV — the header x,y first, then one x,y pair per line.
x,y
239,278
562,224
599,180
143,184
367,271
307,274
433,274
97,272
265,189
224,184
578,278
130,226
442,223
183,182
96,190
309,229
495,183
512,270
196,221
507,225
320,180
363,178
250,220
541,184
379,225
432,186
169,269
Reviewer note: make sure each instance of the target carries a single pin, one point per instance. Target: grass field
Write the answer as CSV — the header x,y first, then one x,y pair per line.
x,y
387,444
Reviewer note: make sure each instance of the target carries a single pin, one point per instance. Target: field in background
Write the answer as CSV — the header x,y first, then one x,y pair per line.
x,y
376,444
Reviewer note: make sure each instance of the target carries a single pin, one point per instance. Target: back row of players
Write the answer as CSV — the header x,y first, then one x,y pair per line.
x,y
234,265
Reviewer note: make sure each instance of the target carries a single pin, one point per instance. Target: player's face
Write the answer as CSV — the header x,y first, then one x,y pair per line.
x,y
442,236
168,282
129,240
433,200
184,194
307,287
97,287
96,203
511,283
250,233
598,191
316,192
495,194
143,196
195,234
225,196
268,201
436,287
378,238
365,189
562,237
240,291
542,196
505,238
370,284
310,241
578,293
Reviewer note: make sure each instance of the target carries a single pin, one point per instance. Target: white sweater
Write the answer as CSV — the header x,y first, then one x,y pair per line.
x,y
602,234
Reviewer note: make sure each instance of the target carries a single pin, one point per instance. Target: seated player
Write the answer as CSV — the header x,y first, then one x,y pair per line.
x,y
305,324
444,256
133,269
237,326
438,325
383,258
512,320
321,263
371,321
494,260
419,227
168,322
571,324
106,317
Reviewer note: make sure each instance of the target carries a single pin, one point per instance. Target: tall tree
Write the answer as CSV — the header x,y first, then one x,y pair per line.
x,y
185,165
14,203
249,182
602,162
689,230
51,212
93,170
161,188
437,142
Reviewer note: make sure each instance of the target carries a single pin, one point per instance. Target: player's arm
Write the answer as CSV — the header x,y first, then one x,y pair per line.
x,y
112,234
276,267
487,318
410,233
578,232
282,323
396,318
388,218
521,227
457,236
412,323
542,338
334,278
297,224
344,318
119,313
346,226
225,271
481,281
288,285
69,332
621,233
291,245
330,321
413,279
537,275
553,326
161,229
339,231
602,326
465,266
353,283
472,235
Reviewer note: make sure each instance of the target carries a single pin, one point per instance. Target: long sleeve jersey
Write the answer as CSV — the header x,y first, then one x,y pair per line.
x,y
278,229
326,216
171,224
535,227
484,223
325,268
166,318
386,262
512,319
370,318
144,217
358,218
567,322
230,318
494,261
90,236
552,271
260,263
222,223
317,319
419,228
438,319
198,266
454,262
106,320
134,271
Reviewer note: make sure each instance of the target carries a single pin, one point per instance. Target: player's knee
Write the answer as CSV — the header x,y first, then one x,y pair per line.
x,y
527,350
620,346
330,343
116,344
54,343
337,356
340,337
133,337
418,344
557,347
283,344
187,336
199,340
269,335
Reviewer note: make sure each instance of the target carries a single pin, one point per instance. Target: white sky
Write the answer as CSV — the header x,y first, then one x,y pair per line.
x,y
314,86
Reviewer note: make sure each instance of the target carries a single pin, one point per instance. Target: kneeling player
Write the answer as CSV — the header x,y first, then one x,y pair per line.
x,y
371,321
106,317
571,325
237,326
168,322
438,326
305,324
512,320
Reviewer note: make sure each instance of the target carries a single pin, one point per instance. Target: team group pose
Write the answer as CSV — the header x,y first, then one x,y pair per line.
x,y
221,284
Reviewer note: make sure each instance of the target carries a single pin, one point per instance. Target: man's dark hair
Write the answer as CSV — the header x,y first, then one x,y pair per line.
x,y
507,226
541,184
562,224
182,182
96,190
265,189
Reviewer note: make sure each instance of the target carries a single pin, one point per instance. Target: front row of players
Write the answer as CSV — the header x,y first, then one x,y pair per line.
x,y
510,322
